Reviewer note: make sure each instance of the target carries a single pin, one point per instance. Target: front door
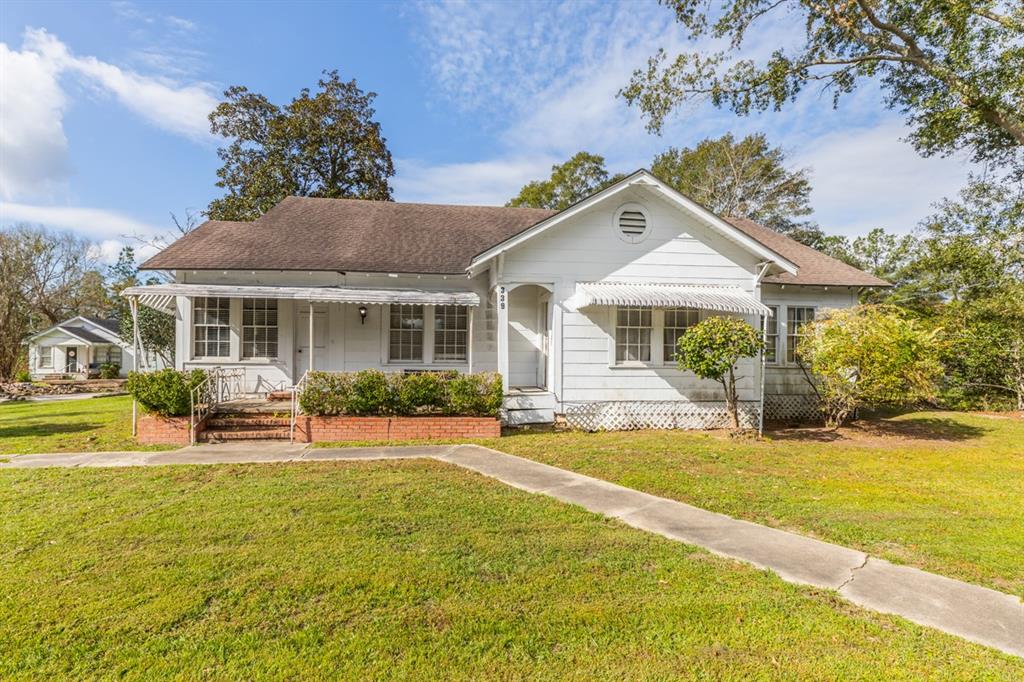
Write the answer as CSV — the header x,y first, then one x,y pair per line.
x,y
302,350
71,359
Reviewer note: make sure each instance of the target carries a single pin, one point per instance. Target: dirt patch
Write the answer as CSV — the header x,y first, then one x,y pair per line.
x,y
880,432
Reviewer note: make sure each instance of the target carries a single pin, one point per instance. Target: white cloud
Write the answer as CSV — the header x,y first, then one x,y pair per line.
x,y
33,146
99,224
547,76
484,183
867,177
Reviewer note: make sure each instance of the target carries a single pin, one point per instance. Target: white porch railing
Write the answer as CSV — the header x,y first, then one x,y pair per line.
x,y
220,385
296,391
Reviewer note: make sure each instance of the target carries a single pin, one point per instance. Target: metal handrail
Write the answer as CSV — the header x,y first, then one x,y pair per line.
x,y
219,385
296,390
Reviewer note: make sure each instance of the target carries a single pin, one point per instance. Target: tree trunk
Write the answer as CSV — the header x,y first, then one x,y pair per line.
x,y
730,399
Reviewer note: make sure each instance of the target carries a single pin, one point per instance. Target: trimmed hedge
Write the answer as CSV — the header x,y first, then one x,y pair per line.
x,y
167,392
109,370
371,392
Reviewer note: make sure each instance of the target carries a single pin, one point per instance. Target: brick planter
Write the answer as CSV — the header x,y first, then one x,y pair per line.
x,y
347,428
155,430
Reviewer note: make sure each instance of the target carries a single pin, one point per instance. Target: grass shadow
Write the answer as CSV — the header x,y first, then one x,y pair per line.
x,y
881,428
42,430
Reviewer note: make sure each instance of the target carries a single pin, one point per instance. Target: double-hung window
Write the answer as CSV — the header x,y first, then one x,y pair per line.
x,y
405,336
259,328
211,327
632,335
796,318
108,355
677,321
451,331
771,353
46,357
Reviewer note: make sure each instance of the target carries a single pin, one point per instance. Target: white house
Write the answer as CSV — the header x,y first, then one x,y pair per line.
x,y
78,346
579,310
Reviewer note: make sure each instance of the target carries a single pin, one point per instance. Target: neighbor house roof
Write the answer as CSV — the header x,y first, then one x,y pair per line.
x,y
303,233
352,235
84,328
815,267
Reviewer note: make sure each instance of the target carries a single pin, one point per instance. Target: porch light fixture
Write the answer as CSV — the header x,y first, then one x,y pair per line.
x,y
362,314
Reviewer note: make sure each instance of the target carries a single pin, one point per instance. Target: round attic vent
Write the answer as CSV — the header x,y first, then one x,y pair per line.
x,y
631,223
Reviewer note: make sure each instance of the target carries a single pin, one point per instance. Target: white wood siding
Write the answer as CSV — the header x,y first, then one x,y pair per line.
x,y
588,248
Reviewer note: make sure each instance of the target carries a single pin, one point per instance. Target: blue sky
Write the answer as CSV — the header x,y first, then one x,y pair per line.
x,y
103,109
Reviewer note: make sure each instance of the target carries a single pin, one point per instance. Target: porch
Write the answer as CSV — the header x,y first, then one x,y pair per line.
x,y
276,334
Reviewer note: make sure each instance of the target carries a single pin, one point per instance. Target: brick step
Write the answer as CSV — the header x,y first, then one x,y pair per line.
x,y
219,435
247,421
280,395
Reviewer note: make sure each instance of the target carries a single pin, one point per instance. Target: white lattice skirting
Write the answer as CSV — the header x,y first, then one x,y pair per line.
x,y
656,414
791,407
627,415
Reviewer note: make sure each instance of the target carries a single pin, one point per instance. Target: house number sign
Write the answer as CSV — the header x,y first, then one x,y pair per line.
x,y
501,298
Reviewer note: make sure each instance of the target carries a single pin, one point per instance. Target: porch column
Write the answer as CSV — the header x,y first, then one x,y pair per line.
x,y
503,336
312,343
469,339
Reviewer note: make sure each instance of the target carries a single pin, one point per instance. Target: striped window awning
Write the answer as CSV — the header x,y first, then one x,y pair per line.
x,y
162,296
658,295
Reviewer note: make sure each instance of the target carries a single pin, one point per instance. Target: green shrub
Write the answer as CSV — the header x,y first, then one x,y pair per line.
x,y
370,393
109,370
23,376
167,392
325,393
474,395
420,391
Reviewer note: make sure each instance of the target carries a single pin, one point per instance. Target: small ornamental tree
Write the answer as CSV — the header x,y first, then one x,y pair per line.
x,y
869,355
711,350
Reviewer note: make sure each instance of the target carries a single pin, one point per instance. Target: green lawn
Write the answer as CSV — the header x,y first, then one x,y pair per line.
x,y
941,491
401,570
87,425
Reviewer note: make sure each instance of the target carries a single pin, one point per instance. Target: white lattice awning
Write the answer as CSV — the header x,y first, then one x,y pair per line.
x,y
656,295
161,296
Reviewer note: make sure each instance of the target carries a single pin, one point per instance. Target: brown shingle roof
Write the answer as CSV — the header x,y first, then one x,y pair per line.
x,y
303,233
814,266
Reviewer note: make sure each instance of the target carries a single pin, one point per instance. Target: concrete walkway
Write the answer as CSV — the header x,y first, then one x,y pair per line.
x,y
969,611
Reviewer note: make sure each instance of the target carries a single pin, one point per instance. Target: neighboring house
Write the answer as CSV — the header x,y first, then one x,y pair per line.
x,y
579,310
78,346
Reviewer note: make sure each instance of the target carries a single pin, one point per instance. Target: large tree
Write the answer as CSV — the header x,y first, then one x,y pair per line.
x,y
956,69
322,144
45,277
973,247
744,179
576,179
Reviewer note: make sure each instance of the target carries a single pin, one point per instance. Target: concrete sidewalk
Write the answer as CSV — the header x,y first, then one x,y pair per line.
x,y
969,611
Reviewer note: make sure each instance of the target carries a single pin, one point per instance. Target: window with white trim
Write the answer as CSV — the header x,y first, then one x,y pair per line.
x,y
46,357
677,321
259,328
108,355
451,332
771,347
796,318
211,334
632,335
405,334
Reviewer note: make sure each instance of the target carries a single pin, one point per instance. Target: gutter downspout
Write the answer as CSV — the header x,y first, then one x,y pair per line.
x,y
764,343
